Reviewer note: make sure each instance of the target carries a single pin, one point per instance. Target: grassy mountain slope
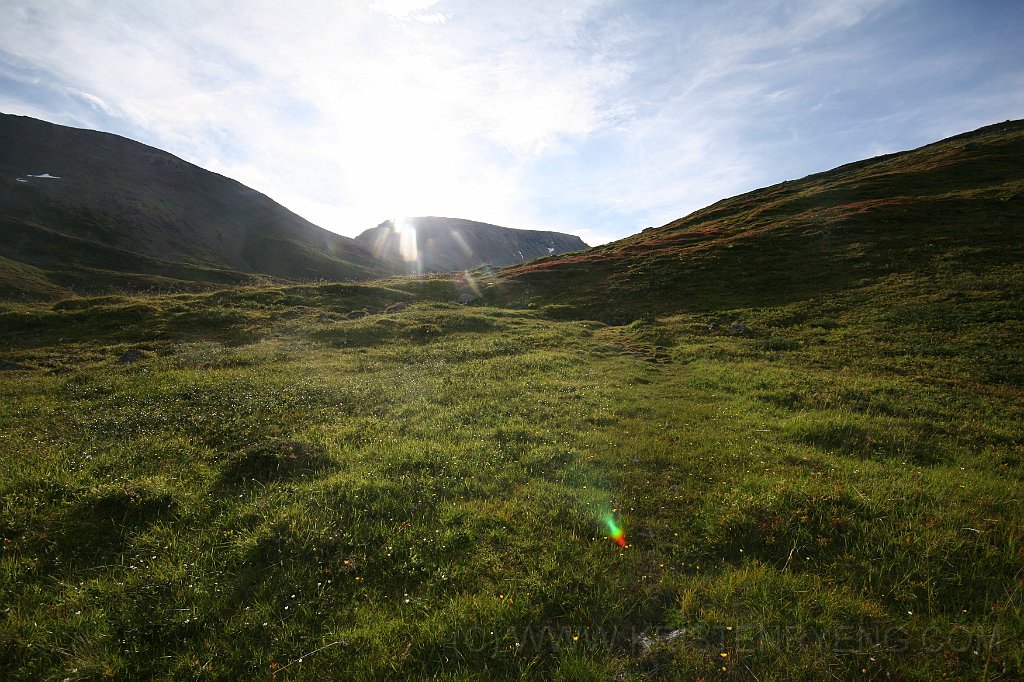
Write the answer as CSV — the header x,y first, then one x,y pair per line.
x,y
957,203
65,263
162,215
452,244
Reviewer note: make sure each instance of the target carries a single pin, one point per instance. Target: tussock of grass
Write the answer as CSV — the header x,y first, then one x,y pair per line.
x,y
273,460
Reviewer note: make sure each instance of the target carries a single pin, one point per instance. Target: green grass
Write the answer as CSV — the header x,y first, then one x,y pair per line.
x,y
280,489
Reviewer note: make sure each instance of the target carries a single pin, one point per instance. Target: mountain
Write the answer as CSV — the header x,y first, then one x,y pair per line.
x,y
953,206
88,210
451,244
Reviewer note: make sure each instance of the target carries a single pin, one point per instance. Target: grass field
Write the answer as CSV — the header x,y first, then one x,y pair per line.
x,y
271,488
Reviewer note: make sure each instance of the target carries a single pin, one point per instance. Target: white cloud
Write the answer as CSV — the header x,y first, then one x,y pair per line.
x,y
92,100
405,9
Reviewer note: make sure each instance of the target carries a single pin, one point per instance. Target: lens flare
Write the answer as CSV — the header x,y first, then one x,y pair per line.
x,y
616,534
407,245
471,283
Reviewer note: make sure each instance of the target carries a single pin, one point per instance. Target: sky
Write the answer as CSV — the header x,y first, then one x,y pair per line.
x,y
593,117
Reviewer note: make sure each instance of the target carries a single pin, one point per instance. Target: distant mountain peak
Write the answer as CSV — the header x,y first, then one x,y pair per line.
x,y
438,244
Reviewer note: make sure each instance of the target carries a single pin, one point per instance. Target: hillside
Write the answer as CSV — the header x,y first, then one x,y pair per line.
x,y
451,244
957,204
86,210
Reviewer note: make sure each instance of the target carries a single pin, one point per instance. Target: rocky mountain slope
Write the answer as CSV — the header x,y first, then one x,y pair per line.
x,y
89,210
431,244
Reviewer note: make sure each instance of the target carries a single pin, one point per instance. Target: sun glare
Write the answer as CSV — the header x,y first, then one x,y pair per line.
x,y
406,240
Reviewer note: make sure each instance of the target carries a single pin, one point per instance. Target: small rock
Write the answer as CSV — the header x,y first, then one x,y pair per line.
x,y
466,299
648,640
396,307
356,314
134,355
8,366
674,635
741,329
